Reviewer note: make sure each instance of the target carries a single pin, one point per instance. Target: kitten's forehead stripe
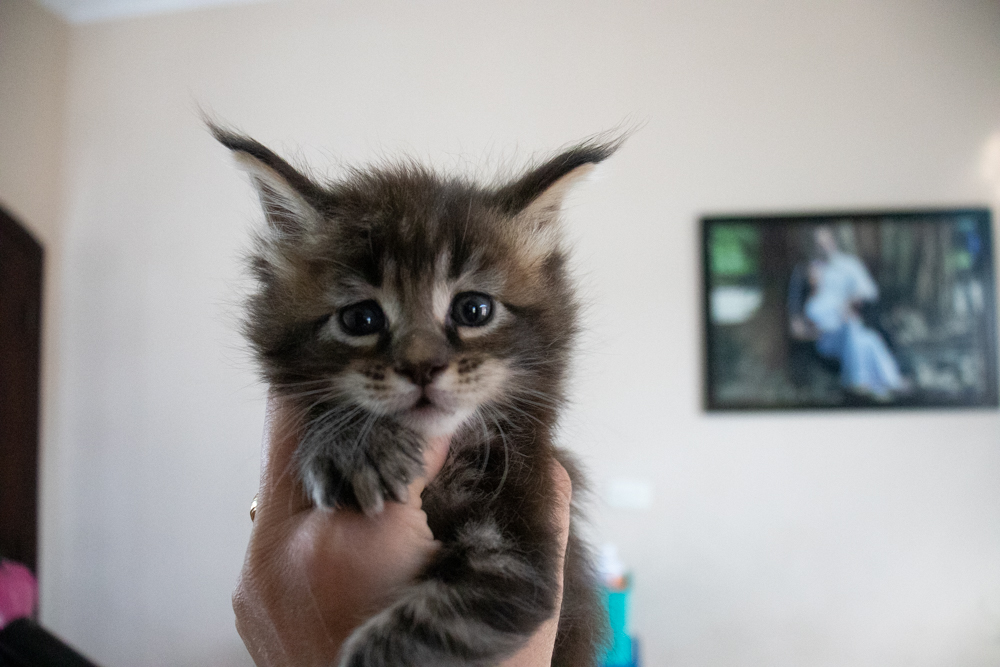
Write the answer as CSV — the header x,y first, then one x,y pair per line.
x,y
451,233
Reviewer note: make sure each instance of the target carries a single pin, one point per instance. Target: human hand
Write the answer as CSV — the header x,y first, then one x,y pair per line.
x,y
311,575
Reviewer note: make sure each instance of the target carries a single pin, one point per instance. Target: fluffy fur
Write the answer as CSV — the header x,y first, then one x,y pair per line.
x,y
417,245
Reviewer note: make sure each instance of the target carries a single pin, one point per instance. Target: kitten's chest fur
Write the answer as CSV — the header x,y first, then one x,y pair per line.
x,y
395,306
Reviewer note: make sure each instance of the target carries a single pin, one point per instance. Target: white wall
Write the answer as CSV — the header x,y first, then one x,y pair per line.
x,y
779,540
34,47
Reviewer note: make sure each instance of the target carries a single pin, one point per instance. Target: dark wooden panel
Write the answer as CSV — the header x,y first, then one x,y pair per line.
x,y
20,342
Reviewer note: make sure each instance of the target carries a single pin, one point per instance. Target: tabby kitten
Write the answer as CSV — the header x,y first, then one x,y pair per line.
x,y
396,305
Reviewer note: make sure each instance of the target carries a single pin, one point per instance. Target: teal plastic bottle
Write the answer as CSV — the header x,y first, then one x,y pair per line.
x,y
616,586
619,653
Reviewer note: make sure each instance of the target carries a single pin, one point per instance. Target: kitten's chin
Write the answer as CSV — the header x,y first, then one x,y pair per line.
x,y
431,421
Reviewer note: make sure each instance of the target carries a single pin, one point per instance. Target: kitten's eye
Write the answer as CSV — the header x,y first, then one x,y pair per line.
x,y
362,319
472,309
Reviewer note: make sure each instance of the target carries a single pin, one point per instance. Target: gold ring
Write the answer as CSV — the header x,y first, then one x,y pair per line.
x,y
253,507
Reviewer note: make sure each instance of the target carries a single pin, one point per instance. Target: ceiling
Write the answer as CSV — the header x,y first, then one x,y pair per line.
x,y
94,11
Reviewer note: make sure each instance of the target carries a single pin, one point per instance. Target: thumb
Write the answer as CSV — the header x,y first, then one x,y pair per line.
x,y
435,455
280,494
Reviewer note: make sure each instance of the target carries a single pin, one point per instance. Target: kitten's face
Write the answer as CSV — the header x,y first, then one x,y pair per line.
x,y
423,345
419,301
427,315
396,293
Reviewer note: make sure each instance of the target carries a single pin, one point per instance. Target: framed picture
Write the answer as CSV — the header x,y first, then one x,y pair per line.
x,y
850,310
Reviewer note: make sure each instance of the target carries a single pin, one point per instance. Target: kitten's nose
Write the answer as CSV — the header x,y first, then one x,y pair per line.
x,y
421,354
421,374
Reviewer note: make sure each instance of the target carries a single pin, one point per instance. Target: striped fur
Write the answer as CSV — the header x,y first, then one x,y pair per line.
x,y
413,242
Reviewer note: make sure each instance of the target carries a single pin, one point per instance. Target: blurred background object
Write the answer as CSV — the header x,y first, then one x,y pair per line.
x,y
616,586
24,643
876,310
18,592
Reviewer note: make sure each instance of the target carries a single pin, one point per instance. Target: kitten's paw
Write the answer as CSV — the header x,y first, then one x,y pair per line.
x,y
367,647
437,625
361,468
384,642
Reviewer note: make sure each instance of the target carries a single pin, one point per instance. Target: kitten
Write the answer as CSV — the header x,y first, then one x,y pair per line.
x,y
396,305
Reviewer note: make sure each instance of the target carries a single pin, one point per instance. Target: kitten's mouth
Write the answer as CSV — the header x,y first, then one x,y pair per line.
x,y
426,405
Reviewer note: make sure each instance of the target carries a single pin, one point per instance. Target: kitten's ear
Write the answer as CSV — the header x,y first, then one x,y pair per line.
x,y
290,200
536,198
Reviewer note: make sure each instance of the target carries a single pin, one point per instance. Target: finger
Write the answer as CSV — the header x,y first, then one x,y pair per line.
x,y
563,485
368,559
280,494
538,651
435,454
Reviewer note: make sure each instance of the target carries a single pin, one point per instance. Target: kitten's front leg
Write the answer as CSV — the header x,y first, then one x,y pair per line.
x,y
360,463
480,600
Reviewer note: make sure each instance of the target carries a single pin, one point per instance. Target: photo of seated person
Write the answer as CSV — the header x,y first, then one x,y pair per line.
x,y
825,300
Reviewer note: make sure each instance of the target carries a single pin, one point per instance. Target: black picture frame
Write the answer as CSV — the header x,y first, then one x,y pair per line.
x,y
791,322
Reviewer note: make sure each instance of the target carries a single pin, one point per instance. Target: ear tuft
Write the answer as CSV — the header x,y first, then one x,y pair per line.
x,y
545,186
289,199
535,200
